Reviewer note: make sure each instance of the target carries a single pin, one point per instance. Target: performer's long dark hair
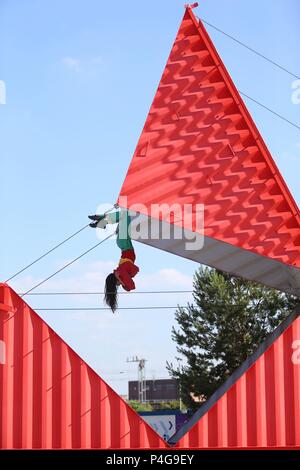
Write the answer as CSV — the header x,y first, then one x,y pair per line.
x,y
111,292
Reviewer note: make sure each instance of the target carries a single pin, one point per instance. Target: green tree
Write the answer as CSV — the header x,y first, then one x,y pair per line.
x,y
154,406
166,405
227,321
138,406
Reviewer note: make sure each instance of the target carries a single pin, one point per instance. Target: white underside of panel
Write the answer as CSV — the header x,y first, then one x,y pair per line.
x,y
218,254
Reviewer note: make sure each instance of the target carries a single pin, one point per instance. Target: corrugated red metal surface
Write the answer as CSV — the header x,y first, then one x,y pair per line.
x,y
259,410
200,145
50,398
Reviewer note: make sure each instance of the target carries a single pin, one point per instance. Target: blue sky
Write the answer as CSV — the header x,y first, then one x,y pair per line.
x,y
80,78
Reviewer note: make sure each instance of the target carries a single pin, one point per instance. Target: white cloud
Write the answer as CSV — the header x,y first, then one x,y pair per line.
x,y
83,277
164,279
105,340
71,63
291,155
87,65
96,60
91,276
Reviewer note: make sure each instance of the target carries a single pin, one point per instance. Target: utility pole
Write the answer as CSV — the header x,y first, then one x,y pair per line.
x,y
141,377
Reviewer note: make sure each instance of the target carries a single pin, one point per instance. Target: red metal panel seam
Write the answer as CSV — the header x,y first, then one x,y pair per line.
x,y
105,418
65,416
9,384
261,403
270,396
232,410
241,412
27,385
213,426
37,392
56,391
96,412
288,380
5,410
279,392
46,389
222,438
205,430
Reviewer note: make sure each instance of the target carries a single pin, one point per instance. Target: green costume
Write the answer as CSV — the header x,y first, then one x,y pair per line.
x,y
122,218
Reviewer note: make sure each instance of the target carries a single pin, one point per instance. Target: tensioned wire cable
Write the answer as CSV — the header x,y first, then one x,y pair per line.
x,y
275,113
125,293
150,307
47,253
54,248
68,264
270,110
107,308
153,307
271,61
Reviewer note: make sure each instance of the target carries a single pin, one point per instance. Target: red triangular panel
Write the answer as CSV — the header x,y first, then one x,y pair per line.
x,y
50,398
200,145
260,409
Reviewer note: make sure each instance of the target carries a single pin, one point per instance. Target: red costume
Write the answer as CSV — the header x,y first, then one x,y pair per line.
x,y
127,270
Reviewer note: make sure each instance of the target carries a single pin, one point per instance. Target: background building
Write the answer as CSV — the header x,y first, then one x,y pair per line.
x,y
156,390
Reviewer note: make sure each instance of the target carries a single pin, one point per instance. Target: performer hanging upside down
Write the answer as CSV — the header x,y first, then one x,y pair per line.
x,y
126,269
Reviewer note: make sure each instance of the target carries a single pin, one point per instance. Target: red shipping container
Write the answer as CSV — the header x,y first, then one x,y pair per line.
x,y
50,398
199,145
259,405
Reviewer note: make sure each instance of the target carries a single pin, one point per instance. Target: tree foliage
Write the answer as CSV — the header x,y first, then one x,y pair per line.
x,y
154,406
227,321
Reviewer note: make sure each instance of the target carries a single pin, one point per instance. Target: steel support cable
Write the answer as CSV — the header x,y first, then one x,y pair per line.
x,y
54,248
125,293
271,110
107,308
47,253
68,264
250,49
297,126
143,307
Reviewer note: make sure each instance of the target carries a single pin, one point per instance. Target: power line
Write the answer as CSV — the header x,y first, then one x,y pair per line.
x,y
119,293
56,246
47,253
152,307
271,110
251,49
297,126
68,264
107,308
